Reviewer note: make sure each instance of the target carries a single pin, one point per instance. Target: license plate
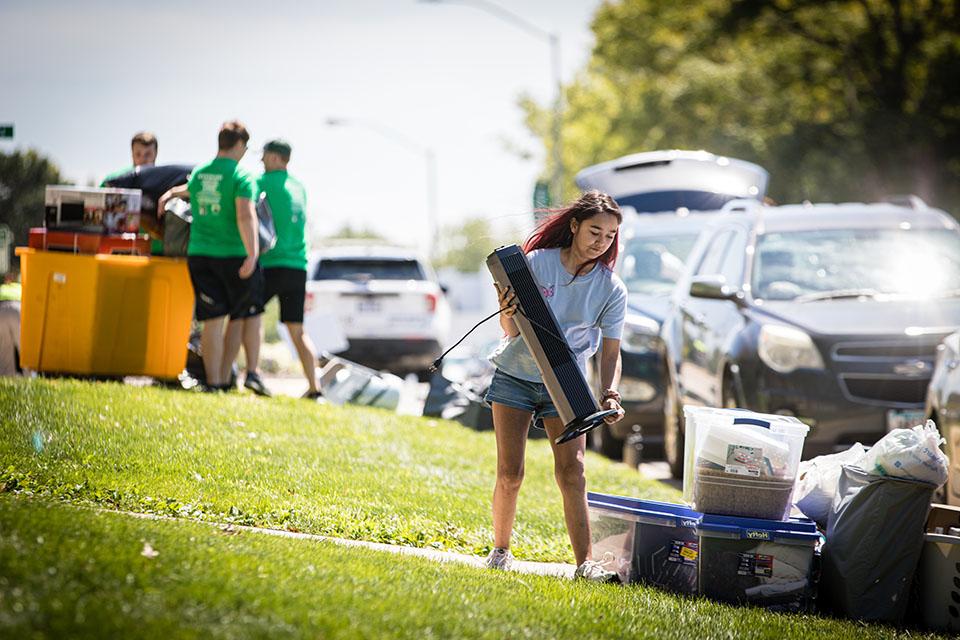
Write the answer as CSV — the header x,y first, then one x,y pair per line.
x,y
904,418
368,306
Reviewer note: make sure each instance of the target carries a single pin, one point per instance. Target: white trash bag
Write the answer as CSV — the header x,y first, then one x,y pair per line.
x,y
913,454
817,482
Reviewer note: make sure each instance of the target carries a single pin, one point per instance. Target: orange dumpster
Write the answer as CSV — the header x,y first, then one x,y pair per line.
x,y
101,314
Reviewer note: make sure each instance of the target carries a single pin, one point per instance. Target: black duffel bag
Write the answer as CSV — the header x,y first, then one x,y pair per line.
x,y
153,182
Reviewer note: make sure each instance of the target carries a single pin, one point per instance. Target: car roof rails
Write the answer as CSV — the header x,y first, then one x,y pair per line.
x,y
909,201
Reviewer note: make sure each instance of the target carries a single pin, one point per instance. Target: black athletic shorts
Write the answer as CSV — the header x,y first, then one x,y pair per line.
x,y
220,291
290,285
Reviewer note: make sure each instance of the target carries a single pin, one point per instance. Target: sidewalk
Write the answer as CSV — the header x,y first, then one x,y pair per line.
x,y
556,569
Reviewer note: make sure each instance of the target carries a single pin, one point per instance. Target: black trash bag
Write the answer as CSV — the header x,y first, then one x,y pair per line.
x,y
153,182
442,394
461,402
874,540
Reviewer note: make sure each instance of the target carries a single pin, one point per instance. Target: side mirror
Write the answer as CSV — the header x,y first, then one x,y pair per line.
x,y
713,287
444,288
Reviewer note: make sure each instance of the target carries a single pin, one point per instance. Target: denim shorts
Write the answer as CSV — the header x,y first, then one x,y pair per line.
x,y
521,394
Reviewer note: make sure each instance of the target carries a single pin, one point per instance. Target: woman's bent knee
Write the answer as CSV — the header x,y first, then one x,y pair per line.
x,y
510,478
571,476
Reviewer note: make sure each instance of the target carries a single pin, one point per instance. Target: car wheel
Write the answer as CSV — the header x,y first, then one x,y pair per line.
x,y
729,392
672,435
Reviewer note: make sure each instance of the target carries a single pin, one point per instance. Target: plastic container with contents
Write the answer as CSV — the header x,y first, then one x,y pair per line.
x,y
646,541
693,418
763,563
746,465
938,576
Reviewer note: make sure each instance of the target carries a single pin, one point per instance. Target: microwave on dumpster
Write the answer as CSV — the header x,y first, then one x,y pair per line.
x,y
102,210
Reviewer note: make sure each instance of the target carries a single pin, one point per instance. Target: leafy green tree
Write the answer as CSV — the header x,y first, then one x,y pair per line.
x,y
347,232
839,99
23,178
466,246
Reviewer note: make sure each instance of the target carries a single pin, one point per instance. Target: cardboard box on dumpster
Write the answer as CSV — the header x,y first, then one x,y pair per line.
x,y
106,210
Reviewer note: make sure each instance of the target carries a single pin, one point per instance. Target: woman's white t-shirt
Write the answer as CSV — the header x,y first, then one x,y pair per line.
x,y
589,307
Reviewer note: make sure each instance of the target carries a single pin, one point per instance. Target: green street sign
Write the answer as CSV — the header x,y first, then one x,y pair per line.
x,y
541,195
6,131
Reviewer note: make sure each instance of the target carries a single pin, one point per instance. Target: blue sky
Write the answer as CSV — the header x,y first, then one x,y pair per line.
x,y
79,78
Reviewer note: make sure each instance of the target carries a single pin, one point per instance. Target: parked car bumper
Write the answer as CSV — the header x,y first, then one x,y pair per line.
x,y
837,419
396,355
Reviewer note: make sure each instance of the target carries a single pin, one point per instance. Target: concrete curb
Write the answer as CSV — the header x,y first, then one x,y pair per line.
x,y
555,569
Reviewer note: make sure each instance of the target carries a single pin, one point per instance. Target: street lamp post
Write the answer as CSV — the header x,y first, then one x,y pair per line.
x,y
430,160
553,39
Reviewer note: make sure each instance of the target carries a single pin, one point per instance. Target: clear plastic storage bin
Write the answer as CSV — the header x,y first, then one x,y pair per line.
x,y
745,464
646,541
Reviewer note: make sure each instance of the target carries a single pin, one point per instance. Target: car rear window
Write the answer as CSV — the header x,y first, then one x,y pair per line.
x,y
658,201
368,269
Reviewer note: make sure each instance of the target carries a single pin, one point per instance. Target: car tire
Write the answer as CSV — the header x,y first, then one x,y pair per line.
x,y
728,399
673,441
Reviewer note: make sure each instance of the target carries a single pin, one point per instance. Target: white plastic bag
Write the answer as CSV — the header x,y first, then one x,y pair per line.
x,y
817,482
913,454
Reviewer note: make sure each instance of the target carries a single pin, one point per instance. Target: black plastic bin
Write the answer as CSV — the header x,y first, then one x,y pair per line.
x,y
765,563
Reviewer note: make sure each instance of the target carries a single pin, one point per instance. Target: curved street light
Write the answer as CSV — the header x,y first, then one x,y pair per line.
x,y
409,143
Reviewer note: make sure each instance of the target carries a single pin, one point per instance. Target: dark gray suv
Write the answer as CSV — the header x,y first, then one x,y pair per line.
x,y
831,313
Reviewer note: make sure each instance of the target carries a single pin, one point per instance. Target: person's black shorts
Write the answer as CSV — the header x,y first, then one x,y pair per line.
x,y
290,285
220,291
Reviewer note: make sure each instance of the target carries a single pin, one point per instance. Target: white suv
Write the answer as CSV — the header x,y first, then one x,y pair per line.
x,y
390,309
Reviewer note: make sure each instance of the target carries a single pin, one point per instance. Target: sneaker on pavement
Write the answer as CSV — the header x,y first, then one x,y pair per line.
x,y
500,559
255,384
595,572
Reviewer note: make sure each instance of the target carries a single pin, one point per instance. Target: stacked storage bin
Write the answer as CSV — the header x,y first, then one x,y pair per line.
x,y
645,541
740,469
736,542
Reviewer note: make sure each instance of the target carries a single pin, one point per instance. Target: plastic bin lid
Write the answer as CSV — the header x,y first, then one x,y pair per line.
x,y
677,514
758,529
745,416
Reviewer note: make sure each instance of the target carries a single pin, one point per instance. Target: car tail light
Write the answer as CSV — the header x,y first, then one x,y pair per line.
x,y
431,302
308,302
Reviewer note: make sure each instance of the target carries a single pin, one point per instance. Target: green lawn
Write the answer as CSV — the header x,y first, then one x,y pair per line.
x,y
68,571
284,463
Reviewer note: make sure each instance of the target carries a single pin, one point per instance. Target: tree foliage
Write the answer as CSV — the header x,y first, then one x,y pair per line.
x,y
839,99
465,246
24,176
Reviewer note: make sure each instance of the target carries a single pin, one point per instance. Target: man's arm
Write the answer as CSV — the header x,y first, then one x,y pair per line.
x,y
180,191
247,224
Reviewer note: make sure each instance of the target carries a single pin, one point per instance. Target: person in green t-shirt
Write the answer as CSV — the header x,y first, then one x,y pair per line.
x,y
143,153
222,253
284,267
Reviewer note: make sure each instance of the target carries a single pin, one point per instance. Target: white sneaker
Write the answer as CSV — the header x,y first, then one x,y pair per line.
x,y
595,572
500,559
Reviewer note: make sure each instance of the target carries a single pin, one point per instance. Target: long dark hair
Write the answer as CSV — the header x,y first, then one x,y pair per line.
x,y
554,232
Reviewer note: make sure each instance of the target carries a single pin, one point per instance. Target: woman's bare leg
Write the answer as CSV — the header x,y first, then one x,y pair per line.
x,y
510,426
568,469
